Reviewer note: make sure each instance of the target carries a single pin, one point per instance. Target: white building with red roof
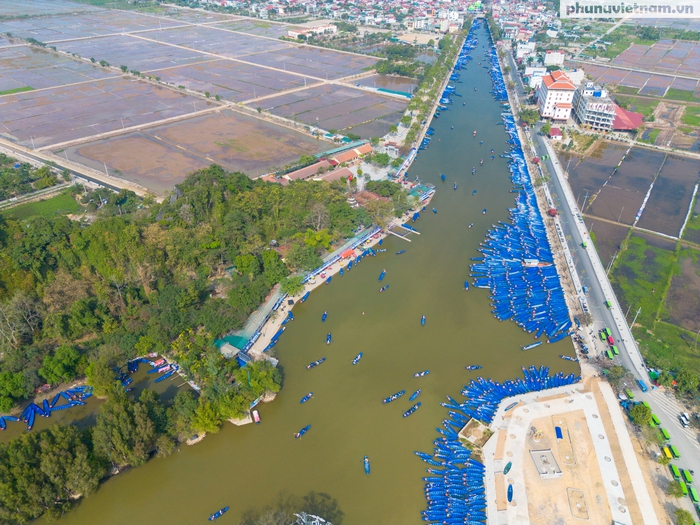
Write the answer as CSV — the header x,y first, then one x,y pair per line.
x,y
555,96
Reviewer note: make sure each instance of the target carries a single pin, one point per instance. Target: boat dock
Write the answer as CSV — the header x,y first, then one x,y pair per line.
x,y
402,231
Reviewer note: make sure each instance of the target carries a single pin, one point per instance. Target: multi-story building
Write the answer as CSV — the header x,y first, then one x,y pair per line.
x,y
554,58
555,96
593,107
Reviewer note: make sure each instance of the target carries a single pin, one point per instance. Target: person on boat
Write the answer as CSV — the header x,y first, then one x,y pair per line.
x,y
481,162
481,143
492,157
464,103
491,150
452,127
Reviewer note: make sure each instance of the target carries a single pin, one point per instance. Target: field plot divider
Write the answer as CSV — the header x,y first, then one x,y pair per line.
x,y
690,211
130,129
207,53
648,194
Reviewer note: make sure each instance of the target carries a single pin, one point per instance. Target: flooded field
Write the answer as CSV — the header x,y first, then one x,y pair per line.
x,y
73,112
162,156
335,107
587,176
683,299
390,82
668,203
231,80
259,27
25,66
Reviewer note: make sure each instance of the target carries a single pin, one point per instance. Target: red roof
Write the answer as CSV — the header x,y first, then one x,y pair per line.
x,y
558,80
626,120
555,132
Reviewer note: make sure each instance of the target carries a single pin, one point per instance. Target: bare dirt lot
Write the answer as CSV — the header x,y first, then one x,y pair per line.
x,y
590,173
162,156
616,204
608,237
683,299
668,203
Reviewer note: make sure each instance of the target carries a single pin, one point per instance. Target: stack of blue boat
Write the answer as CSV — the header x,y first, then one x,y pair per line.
x,y
518,263
456,493
4,420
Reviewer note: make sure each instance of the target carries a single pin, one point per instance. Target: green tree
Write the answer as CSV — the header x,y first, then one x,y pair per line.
x,y
182,413
64,365
206,417
683,517
292,285
274,269
100,375
686,381
314,239
546,128
306,159
641,414
674,489
302,257
530,116
247,264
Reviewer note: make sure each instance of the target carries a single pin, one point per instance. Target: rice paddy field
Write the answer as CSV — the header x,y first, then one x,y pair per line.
x,y
59,205
63,100
644,83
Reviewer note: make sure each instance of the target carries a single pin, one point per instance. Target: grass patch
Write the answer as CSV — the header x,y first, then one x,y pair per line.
x,y
679,94
16,90
668,347
59,205
691,116
651,136
685,129
640,105
626,90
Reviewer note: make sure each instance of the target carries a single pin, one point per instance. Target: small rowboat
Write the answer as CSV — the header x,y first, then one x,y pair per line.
x,y
324,316
328,281
414,395
342,272
315,363
305,296
472,367
218,514
383,288
466,285
510,493
442,176
506,470
381,275
412,409
393,397
366,462
400,252
357,358
471,225
329,340
531,346
574,359
434,210
455,186
421,374
511,406
483,212
256,417
302,432
474,192
306,397
422,321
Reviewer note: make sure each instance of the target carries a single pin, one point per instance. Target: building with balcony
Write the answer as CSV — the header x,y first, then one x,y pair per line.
x,y
593,107
555,96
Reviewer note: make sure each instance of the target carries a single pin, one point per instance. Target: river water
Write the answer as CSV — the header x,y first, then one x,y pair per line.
x,y
248,467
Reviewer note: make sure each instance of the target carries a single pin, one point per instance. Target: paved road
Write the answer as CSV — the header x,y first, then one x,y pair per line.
x,y
663,404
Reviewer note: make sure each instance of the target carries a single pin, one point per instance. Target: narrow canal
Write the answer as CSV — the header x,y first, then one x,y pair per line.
x,y
249,467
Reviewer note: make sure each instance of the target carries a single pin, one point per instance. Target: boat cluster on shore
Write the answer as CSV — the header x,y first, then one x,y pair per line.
x,y
456,493
517,263
75,396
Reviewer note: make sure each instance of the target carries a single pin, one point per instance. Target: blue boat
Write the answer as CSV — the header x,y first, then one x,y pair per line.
x,y
350,265
305,296
474,192
511,406
393,397
472,367
306,398
342,272
412,409
421,374
329,340
422,321
366,462
434,210
315,363
324,316
442,176
381,241
483,212
302,431
466,285
383,288
531,346
414,395
218,514
357,358
455,186
329,279
290,317
510,492
381,275
165,376
400,252
507,468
